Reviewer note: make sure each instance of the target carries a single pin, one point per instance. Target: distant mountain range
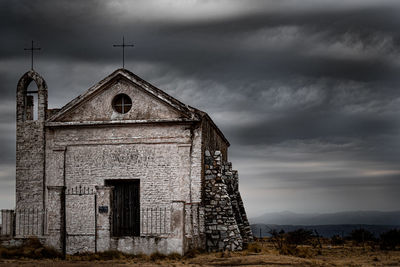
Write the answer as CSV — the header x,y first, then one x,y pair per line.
x,y
338,218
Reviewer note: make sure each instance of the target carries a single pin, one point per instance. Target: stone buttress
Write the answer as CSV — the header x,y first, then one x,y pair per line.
x,y
226,224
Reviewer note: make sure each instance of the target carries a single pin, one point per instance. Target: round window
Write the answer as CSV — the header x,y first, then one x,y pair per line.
x,y
122,103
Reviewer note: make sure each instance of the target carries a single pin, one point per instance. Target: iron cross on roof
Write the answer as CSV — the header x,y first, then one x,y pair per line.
x,y
123,45
32,49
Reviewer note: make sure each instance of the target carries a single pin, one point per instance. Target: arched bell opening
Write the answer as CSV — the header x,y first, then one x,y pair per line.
x,y
31,99
31,103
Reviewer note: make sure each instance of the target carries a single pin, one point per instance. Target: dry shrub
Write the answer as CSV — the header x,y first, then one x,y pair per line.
x,y
138,256
254,247
336,240
174,256
111,255
361,236
287,250
157,256
192,253
288,243
30,248
390,239
225,254
105,256
83,256
118,255
302,252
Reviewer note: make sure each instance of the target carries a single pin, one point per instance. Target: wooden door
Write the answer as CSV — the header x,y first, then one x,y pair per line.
x,y
125,207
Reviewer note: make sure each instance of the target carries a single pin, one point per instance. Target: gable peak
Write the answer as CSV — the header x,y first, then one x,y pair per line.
x,y
130,77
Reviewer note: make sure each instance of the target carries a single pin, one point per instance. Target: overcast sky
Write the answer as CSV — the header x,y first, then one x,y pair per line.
x,y
306,91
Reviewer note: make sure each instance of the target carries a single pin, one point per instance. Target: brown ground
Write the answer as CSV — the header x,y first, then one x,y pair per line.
x,y
330,256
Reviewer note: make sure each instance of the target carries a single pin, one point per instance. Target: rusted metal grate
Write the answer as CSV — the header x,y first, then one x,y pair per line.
x,y
155,221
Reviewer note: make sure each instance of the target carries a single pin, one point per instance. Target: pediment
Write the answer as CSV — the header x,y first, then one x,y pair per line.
x,y
148,102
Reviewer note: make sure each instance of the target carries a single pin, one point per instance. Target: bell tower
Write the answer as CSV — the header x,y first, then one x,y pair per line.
x,y
31,142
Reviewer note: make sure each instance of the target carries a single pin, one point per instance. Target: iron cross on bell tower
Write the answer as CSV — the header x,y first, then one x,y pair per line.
x,y
123,45
32,49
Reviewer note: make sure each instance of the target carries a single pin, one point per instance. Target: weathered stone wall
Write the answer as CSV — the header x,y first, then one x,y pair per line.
x,y
9,242
194,221
212,140
30,164
157,155
55,223
164,157
226,223
80,221
194,226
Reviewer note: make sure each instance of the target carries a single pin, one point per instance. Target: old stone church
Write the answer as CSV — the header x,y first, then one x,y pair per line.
x,y
123,166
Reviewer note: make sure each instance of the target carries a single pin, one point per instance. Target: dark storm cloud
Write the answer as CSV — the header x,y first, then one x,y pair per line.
x,y
287,81
311,126
222,40
76,31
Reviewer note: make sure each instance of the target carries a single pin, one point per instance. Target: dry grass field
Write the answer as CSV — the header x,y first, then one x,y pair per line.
x,y
259,254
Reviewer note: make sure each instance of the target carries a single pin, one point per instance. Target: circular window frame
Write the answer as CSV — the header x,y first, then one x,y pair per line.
x,y
122,107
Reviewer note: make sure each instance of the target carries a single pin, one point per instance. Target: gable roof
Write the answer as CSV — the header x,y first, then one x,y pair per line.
x,y
187,111
190,113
